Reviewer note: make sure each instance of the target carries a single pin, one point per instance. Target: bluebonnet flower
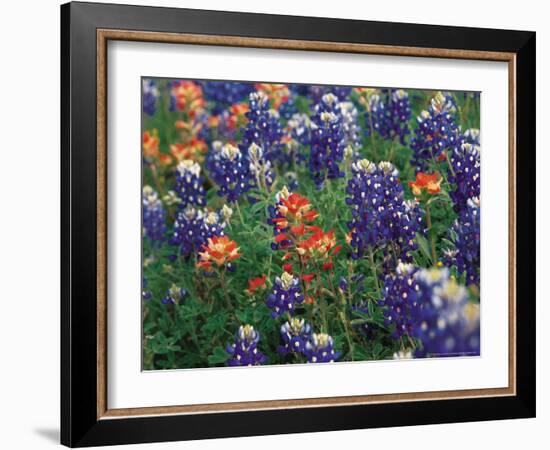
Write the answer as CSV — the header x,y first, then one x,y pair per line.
x,y
232,174
174,295
320,349
260,168
153,215
223,94
327,140
465,175
295,333
400,296
472,136
244,350
437,132
286,294
342,92
355,286
466,231
189,184
150,96
447,323
145,293
349,124
299,126
380,215
288,108
263,129
193,228
315,93
389,114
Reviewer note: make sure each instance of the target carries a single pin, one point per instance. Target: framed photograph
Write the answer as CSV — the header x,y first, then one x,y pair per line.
x,y
276,224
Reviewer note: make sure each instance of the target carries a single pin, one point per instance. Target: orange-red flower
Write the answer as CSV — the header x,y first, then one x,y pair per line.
x,y
256,283
277,93
294,209
431,183
194,150
288,268
188,96
151,144
151,149
319,244
307,277
219,251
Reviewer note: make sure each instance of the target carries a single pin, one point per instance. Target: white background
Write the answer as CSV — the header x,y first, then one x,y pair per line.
x,y
128,387
29,229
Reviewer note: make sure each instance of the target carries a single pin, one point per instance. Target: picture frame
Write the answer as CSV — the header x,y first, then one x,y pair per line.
x,y
86,29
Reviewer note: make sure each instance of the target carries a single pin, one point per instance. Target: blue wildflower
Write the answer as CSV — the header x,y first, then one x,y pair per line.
x,y
223,94
472,136
466,231
447,323
260,168
244,350
286,294
400,296
153,215
437,132
145,293
350,126
465,174
320,349
232,173
389,114
189,184
192,228
263,129
150,95
380,215
327,140
295,333
174,295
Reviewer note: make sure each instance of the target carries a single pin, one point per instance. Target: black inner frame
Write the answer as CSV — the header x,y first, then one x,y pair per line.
x,y
79,423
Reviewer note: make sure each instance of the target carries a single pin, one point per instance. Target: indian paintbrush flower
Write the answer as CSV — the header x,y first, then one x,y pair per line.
x,y
425,182
220,252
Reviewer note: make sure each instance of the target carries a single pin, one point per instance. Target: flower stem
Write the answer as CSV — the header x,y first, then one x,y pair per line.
x,y
373,268
432,236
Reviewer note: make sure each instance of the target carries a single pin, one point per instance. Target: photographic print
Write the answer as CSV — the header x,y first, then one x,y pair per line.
x,y
296,224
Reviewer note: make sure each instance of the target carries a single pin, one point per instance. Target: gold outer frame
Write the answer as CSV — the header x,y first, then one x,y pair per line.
x,y
103,36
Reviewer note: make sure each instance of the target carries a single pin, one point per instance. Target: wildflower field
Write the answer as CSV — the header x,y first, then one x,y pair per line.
x,y
287,223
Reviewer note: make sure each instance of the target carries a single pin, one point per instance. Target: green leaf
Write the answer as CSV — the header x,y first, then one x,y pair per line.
x,y
424,246
219,356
